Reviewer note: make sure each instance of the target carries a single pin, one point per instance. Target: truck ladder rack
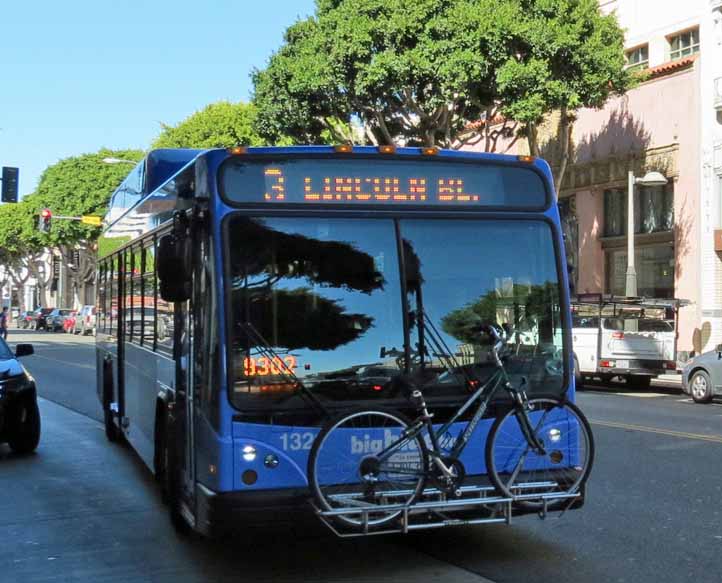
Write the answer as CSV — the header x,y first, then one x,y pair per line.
x,y
434,509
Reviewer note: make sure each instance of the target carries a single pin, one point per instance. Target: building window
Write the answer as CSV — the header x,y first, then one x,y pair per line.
x,y
654,265
654,209
615,212
638,58
684,44
570,229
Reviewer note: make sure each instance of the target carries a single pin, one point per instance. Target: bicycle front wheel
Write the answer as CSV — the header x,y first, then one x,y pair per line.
x,y
362,463
519,471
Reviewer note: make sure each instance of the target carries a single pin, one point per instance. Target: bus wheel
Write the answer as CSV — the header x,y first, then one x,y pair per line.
x,y
24,434
578,378
172,480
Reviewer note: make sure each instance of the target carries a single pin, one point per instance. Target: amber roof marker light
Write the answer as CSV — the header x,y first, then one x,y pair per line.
x,y
343,148
237,150
387,149
526,159
432,151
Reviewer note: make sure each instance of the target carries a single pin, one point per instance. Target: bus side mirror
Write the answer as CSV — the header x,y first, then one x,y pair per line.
x,y
24,350
174,268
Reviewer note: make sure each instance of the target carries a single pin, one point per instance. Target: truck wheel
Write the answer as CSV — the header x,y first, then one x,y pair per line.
x,y
700,387
578,378
638,381
642,382
25,426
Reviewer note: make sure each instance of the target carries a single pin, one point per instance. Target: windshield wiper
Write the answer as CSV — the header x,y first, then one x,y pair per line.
x,y
429,332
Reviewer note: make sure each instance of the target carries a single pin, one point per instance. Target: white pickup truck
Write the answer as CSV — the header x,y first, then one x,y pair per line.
x,y
629,338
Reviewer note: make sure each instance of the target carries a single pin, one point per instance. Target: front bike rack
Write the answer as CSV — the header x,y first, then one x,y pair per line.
x,y
434,509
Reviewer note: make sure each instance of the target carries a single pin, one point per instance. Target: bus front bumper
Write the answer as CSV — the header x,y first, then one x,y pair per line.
x,y
220,513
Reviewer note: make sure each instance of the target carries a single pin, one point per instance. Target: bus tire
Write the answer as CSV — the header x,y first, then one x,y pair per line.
x,y
24,426
578,378
112,432
171,478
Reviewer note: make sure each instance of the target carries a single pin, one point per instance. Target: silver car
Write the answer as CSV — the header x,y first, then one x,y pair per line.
x,y
702,376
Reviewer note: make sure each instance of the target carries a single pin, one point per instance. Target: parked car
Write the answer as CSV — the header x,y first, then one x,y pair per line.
x,y
69,322
40,318
19,414
55,319
85,320
702,376
24,319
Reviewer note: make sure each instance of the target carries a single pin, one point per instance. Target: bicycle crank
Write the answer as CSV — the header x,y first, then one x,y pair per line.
x,y
450,484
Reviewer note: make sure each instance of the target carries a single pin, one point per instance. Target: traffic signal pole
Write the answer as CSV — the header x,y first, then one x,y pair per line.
x,y
46,215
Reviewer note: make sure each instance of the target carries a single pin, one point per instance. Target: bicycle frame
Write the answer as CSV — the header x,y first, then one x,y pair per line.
x,y
484,395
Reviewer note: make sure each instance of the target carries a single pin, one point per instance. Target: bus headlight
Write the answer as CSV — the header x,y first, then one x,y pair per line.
x,y
555,435
249,453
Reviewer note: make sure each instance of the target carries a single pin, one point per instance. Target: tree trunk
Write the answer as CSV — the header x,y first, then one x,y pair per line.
x,y
565,135
532,134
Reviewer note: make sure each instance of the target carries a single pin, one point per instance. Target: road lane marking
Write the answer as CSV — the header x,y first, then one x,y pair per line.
x,y
683,434
65,362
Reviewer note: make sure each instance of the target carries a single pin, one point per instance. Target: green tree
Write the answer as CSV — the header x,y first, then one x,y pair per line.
x,y
218,125
75,186
426,72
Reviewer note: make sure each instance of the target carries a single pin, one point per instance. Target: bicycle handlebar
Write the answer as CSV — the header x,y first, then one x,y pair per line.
x,y
500,335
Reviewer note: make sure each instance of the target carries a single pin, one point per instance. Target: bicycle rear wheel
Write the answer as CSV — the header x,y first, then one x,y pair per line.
x,y
345,473
518,471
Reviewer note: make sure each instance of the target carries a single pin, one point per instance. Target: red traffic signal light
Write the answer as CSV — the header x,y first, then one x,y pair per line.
x,y
44,220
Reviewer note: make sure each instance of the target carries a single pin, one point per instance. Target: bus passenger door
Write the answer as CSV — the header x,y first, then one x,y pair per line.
x,y
183,347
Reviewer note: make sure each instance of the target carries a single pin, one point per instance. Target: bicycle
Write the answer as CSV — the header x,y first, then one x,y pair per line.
x,y
539,452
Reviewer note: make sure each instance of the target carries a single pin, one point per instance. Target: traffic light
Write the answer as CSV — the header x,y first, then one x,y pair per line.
x,y
10,184
44,221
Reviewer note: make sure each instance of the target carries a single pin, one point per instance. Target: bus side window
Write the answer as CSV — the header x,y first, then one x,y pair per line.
x,y
149,298
100,312
128,289
164,325
113,293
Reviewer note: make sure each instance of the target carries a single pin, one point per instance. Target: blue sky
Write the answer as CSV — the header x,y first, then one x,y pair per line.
x,y
79,75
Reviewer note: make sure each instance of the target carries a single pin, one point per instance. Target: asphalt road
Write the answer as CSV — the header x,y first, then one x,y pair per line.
x,y
82,509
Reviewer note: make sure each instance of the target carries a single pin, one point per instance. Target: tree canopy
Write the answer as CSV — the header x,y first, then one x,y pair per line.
x,y
218,125
74,186
432,72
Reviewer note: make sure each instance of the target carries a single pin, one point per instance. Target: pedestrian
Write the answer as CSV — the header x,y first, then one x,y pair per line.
x,y
4,323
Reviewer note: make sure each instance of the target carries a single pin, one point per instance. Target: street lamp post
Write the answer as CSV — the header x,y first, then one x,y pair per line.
x,y
118,161
649,179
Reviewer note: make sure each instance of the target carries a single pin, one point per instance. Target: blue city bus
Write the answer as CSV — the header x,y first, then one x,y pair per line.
x,y
227,279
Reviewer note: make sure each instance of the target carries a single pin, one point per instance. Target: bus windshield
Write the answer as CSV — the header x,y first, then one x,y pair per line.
x,y
320,301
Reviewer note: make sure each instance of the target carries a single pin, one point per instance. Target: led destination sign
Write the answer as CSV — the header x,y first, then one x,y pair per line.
x,y
382,182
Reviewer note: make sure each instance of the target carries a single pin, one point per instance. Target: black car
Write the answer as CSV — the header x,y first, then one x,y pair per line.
x,y
40,318
19,414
